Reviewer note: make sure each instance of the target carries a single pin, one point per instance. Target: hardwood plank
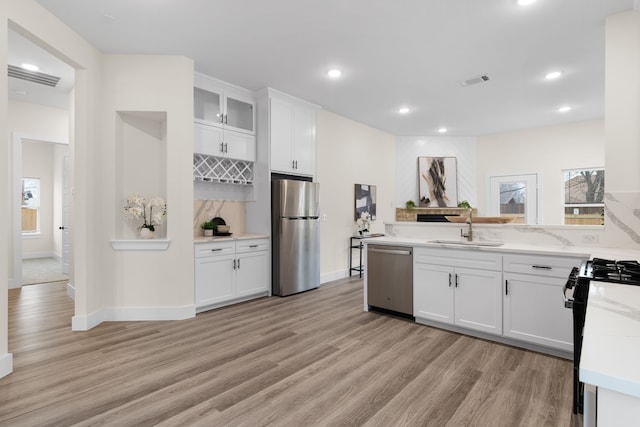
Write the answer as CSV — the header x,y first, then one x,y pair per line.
x,y
309,359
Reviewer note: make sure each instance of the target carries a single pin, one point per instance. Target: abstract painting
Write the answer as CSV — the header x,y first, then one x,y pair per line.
x,y
438,182
365,200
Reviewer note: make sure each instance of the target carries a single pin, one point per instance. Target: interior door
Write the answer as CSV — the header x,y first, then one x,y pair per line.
x,y
514,195
66,215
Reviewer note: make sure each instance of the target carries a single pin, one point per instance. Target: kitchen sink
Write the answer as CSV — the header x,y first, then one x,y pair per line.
x,y
467,243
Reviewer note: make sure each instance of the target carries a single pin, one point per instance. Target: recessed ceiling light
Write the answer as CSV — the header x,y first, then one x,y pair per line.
x,y
30,67
442,130
335,73
403,110
553,75
564,109
525,2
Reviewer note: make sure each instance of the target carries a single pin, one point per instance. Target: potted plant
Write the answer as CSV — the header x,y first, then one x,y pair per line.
x,y
137,207
208,227
464,204
410,204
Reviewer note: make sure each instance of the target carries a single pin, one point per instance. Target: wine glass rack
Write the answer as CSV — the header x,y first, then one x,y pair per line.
x,y
222,170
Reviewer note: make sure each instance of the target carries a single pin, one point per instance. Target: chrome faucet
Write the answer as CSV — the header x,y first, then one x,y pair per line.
x,y
469,234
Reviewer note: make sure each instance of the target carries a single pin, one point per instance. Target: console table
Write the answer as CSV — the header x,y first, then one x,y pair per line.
x,y
359,246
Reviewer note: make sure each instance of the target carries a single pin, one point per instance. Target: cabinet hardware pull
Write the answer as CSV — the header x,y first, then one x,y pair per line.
x,y
226,119
456,280
216,250
222,147
253,246
449,279
238,263
506,287
542,267
234,264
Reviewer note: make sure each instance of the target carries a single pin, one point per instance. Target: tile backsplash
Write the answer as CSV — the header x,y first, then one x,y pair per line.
x,y
232,212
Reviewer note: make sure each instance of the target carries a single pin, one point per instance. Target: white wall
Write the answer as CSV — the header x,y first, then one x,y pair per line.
x,y
32,21
546,150
409,148
140,284
350,153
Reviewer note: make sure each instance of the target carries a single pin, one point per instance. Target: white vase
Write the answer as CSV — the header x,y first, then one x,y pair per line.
x,y
208,232
146,233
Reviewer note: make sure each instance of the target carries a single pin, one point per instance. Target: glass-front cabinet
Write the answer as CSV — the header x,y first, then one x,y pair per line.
x,y
223,109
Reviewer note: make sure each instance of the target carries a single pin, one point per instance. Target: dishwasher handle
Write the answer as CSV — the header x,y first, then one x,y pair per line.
x,y
390,251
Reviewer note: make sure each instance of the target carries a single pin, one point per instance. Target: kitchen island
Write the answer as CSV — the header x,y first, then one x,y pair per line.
x,y
511,293
609,365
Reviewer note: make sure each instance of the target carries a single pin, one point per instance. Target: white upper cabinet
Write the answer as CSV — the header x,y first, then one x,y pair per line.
x,y
292,134
224,119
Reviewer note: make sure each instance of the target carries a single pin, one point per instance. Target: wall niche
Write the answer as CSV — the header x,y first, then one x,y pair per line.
x,y
141,166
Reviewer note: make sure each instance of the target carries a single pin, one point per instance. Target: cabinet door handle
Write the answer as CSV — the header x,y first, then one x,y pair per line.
x,y
238,264
226,146
226,119
449,279
234,264
456,280
542,267
253,246
506,287
222,147
216,250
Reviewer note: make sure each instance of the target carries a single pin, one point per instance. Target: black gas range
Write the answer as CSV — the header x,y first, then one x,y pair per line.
x,y
576,295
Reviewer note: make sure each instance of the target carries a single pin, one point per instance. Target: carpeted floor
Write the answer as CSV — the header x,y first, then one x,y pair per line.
x,y
42,270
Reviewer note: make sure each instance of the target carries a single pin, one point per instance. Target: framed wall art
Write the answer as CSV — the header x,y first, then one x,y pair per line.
x,y
365,200
438,182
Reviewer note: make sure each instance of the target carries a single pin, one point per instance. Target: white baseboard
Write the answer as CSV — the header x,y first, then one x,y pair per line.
x,y
131,314
335,275
32,255
71,291
14,283
6,364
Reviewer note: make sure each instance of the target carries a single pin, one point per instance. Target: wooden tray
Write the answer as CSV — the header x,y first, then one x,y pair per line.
x,y
482,219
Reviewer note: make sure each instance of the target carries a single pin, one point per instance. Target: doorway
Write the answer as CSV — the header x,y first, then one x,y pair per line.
x,y
41,249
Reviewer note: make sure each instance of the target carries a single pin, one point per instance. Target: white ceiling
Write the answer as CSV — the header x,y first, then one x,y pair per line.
x,y
404,53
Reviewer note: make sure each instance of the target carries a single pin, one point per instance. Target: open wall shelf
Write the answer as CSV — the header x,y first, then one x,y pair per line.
x,y
217,169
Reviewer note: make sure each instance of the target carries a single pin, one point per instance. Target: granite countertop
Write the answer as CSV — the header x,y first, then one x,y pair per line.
x,y
612,338
203,239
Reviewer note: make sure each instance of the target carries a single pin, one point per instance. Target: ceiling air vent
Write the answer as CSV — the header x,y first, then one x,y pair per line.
x,y
33,76
482,78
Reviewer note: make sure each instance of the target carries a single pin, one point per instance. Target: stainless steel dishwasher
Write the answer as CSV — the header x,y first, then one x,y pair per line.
x,y
390,278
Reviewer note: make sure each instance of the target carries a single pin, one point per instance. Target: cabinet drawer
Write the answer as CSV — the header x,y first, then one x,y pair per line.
x,y
458,258
252,245
214,249
541,265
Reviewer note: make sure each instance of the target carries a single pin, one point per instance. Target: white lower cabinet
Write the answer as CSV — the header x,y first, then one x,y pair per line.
x,y
446,292
534,310
229,272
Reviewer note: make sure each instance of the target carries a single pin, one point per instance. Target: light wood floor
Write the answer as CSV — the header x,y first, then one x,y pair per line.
x,y
311,359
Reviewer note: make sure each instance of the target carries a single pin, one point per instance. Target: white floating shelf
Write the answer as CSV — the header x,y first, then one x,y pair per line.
x,y
141,245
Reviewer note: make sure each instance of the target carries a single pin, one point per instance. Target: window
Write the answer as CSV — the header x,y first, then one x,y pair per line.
x,y
30,205
515,196
584,196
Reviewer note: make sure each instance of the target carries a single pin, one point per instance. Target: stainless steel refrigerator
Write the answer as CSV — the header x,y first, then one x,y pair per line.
x,y
295,232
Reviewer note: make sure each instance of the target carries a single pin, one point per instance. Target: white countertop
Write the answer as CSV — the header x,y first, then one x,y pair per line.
x,y
611,346
553,250
203,239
